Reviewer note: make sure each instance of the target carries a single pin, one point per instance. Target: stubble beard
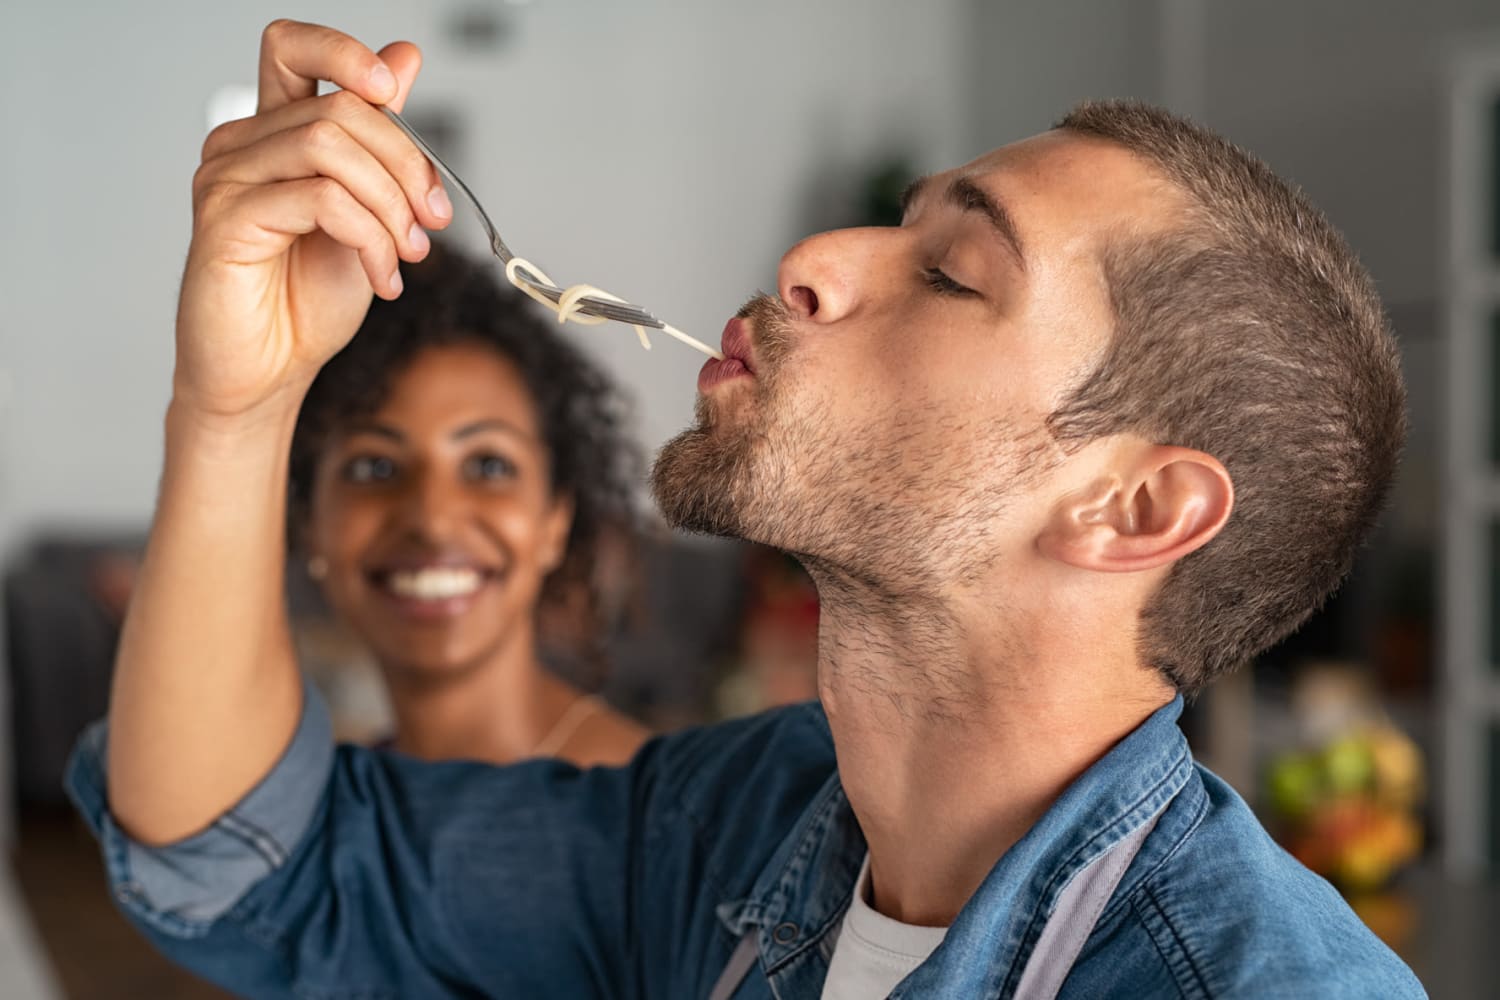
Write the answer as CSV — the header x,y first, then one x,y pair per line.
x,y
888,519
717,477
897,511
907,509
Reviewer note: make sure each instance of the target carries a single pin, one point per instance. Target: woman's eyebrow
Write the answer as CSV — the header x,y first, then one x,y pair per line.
x,y
492,424
377,429
467,430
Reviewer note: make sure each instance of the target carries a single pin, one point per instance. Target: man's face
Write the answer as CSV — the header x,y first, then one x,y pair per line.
x,y
891,424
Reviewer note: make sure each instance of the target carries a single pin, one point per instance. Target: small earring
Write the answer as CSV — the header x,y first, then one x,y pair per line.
x,y
317,567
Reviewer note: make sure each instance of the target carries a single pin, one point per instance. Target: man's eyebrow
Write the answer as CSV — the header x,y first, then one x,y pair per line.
x,y
970,197
913,192
965,194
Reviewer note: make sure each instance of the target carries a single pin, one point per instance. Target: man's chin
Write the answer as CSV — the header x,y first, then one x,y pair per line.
x,y
681,483
697,478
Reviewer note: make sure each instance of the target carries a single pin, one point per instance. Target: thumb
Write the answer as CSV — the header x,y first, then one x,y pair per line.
x,y
405,60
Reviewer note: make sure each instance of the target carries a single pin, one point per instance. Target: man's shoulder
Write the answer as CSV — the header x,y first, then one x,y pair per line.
x,y
1237,915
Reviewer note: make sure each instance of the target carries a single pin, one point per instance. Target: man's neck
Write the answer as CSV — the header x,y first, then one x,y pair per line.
x,y
955,733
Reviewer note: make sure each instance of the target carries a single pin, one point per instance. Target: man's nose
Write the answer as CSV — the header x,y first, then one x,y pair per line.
x,y
825,278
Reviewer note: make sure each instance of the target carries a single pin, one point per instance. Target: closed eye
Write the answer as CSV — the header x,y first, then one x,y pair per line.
x,y
944,285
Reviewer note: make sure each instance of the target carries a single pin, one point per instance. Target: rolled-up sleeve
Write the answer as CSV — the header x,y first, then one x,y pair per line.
x,y
179,889
353,874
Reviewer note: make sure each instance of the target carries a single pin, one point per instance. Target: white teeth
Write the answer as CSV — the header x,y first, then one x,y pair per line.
x,y
433,584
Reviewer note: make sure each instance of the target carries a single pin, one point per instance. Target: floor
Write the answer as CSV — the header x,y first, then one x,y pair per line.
x,y
94,954
25,974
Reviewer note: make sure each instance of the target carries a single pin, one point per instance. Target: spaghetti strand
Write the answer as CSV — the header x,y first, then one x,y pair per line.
x,y
569,305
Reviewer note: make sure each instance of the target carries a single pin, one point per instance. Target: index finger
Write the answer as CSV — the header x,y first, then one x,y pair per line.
x,y
294,56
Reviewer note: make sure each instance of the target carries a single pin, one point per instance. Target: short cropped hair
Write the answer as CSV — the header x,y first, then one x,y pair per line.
x,y
1252,333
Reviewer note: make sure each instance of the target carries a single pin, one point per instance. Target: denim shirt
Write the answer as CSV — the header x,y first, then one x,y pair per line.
x,y
351,873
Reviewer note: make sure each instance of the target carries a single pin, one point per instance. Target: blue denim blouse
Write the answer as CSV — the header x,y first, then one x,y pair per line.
x,y
350,873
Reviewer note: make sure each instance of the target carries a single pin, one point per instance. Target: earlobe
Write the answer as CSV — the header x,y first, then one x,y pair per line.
x,y
1173,501
559,527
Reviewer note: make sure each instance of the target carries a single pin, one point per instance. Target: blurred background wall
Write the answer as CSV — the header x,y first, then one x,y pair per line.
x,y
670,152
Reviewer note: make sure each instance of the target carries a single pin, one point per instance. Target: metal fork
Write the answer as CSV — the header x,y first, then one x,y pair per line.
x,y
620,312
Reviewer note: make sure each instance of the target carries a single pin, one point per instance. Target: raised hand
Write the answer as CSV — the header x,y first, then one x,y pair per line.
x,y
299,213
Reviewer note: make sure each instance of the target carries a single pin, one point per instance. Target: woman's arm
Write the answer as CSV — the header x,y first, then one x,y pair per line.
x,y
206,690
299,213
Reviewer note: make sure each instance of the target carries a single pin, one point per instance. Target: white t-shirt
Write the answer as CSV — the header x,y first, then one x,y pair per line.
x,y
874,952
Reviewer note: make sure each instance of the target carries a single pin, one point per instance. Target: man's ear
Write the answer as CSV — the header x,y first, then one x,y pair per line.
x,y
1166,503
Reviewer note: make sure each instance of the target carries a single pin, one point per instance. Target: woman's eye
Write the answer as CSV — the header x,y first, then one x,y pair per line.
x,y
369,469
490,468
944,285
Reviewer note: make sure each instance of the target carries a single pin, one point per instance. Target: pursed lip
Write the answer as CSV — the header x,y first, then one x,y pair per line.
x,y
737,349
736,344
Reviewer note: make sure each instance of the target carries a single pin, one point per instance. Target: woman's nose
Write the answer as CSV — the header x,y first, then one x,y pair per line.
x,y
433,505
825,277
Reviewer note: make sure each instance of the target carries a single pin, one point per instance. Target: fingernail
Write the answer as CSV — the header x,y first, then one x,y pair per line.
x,y
437,200
382,80
417,238
396,282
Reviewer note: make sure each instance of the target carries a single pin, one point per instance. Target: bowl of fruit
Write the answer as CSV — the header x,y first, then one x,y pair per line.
x,y
1349,809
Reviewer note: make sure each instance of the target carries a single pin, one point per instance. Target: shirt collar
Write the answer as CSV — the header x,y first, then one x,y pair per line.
x,y
806,886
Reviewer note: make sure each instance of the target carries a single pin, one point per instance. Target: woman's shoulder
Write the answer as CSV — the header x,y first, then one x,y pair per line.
x,y
609,738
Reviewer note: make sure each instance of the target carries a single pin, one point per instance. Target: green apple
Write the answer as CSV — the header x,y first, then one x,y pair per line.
x,y
1295,783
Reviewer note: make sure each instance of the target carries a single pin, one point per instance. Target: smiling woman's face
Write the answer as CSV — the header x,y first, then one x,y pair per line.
x,y
436,516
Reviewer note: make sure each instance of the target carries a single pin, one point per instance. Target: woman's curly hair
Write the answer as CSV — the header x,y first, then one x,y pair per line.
x,y
451,299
